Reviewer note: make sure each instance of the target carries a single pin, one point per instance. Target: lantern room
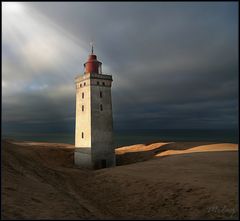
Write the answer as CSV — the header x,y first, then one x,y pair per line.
x,y
93,65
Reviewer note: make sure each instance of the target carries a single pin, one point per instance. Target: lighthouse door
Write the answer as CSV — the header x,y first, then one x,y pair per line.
x,y
103,163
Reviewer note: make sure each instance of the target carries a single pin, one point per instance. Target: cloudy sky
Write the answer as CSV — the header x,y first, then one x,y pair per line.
x,y
174,65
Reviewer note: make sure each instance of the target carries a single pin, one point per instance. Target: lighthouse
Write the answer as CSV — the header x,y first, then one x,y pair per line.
x,y
94,123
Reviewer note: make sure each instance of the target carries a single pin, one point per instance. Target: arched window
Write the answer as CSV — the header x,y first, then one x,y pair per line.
x,y
80,85
101,94
84,83
82,135
82,107
101,107
82,95
103,83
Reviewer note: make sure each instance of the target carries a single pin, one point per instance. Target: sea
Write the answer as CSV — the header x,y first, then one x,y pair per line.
x,y
130,137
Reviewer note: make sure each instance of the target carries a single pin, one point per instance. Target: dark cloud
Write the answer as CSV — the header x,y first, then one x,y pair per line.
x,y
175,65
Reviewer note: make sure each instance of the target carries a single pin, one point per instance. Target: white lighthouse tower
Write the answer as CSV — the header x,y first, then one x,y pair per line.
x,y
94,124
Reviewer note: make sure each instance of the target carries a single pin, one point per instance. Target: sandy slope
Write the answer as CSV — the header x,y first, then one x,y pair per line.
x,y
183,180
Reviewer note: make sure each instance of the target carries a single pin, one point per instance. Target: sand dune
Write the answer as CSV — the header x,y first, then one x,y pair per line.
x,y
183,180
202,148
143,152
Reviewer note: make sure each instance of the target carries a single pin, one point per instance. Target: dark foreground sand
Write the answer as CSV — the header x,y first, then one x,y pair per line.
x,y
184,180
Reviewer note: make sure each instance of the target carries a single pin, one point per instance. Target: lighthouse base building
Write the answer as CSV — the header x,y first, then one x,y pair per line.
x,y
94,124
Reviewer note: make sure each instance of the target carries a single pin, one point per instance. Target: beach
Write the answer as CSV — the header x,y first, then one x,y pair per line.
x,y
160,180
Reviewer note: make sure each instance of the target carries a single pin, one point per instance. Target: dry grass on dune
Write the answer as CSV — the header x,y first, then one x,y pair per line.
x,y
183,180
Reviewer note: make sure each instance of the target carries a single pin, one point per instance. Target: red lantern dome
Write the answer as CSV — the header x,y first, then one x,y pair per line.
x,y
93,65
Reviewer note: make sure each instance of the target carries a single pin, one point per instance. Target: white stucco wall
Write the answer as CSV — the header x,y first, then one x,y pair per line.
x,y
82,157
83,118
97,125
102,122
